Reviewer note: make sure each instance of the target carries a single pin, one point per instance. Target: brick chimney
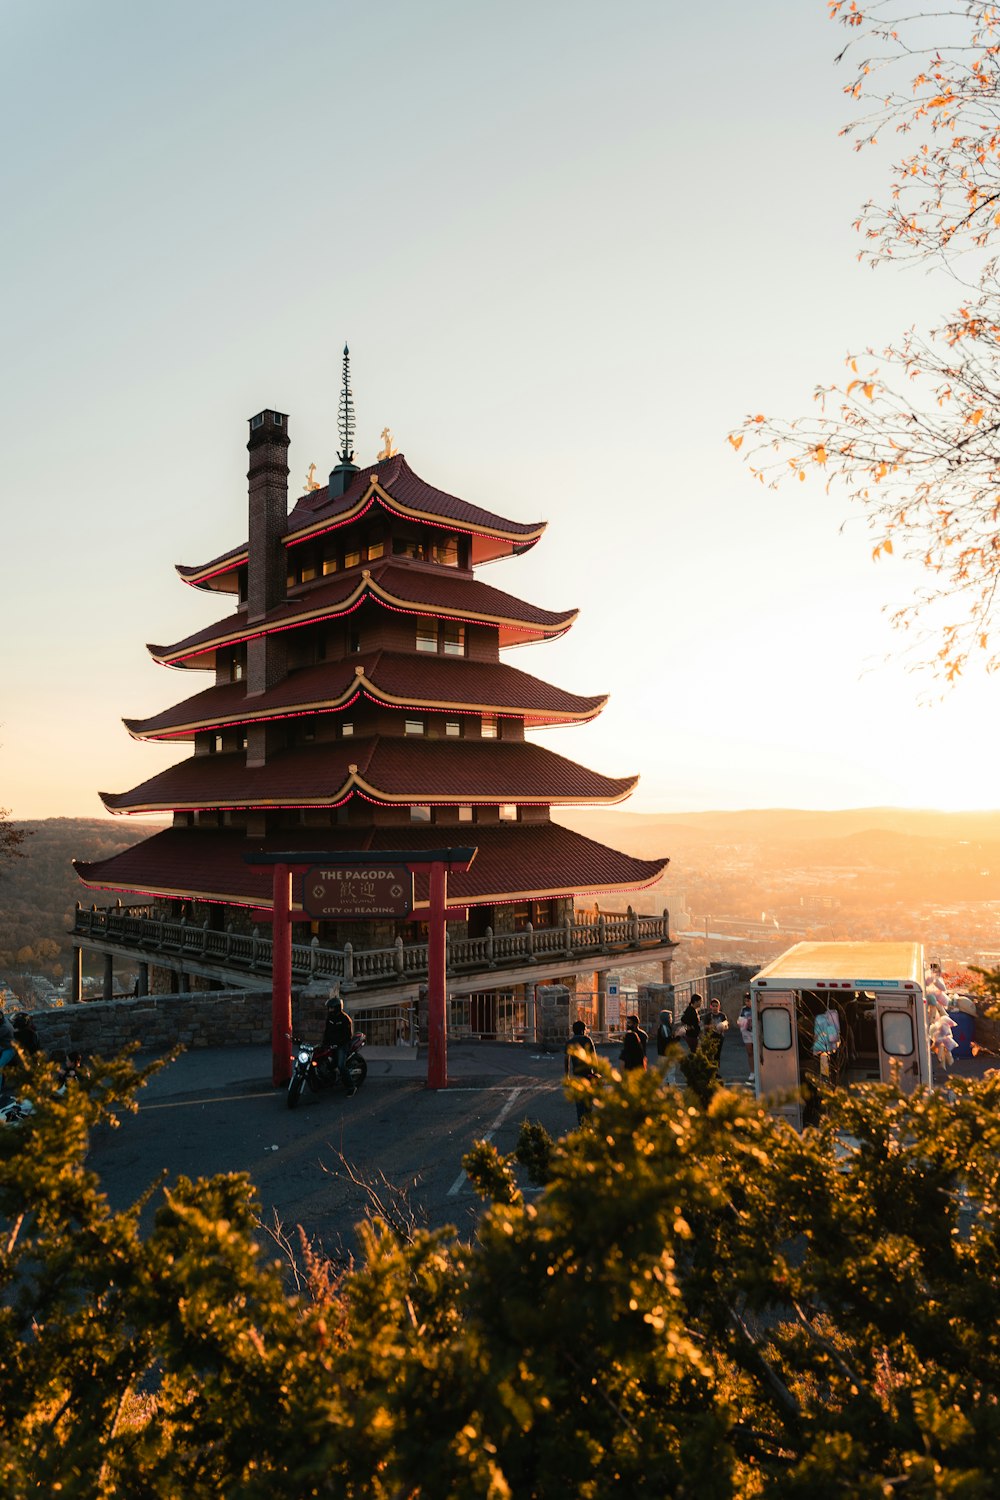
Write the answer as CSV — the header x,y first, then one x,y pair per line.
x,y
267,562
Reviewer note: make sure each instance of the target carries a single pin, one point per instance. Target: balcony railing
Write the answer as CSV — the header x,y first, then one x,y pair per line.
x,y
154,940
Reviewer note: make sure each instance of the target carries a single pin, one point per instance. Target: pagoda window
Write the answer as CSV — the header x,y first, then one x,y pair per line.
x,y
453,640
427,635
420,813
413,726
409,546
508,812
352,558
453,728
376,548
490,730
216,744
346,730
329,558
307,572
465,814
445,552
238,669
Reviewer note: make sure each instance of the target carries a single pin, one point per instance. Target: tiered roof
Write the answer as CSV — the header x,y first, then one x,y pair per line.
x,y
385,770
444,594
393,486
531,861
441,684
525,859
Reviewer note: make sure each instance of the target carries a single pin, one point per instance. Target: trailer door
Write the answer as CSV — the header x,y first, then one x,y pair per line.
x,y
776,1050
898,1044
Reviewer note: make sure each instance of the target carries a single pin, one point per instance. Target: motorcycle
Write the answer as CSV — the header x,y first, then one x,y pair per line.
x,y
316,1067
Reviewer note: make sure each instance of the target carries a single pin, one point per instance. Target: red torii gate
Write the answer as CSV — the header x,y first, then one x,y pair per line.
x,y
439,863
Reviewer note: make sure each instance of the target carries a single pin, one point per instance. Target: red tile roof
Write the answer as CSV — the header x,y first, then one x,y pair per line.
x,y
381,769
393,485
416,590
407,681
515,861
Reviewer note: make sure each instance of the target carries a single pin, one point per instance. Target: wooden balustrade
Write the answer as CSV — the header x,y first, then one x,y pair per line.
x,y
144,937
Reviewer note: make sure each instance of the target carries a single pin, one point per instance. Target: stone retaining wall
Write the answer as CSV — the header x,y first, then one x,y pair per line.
x,y
219,1018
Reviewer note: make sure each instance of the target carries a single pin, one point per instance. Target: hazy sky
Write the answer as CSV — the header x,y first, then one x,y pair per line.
x,y
570,245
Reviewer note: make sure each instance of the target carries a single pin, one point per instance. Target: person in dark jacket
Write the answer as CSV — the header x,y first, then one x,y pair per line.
x,y
634,1043
337,1033
664,1032
580,1057
7,1052
690,1024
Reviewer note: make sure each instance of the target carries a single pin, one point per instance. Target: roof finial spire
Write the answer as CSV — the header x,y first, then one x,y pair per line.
x,y
345,415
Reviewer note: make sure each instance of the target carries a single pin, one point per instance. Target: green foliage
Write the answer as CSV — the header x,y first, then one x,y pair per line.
x,y
697,1301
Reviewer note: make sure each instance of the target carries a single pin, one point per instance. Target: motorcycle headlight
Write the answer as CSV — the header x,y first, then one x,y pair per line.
x,y
304,1056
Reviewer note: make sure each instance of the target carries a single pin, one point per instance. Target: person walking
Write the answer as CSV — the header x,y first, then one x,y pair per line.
x,y
580,1055
664,1032
634,1044
690,1024
745,1022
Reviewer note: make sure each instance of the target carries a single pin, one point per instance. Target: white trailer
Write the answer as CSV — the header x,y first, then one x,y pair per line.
x,y
841,1012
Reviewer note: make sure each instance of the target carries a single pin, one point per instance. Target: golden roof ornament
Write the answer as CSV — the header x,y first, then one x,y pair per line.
x,y
389,450
312,483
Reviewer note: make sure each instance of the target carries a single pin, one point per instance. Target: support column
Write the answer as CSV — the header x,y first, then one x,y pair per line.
x,y
437,1041
109,976
143,980
601,988
530,1014
76,977
281,978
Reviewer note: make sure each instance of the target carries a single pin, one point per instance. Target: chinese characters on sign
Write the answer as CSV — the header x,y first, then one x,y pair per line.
x,y
357,892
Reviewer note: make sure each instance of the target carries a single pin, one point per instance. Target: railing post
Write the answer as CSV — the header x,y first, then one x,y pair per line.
x,y
529,942
397,958
489,948
568,928
633,928
204,938
254,947
348,963
602,932
313,956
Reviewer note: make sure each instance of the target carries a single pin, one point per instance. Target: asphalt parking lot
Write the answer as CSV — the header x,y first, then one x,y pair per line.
x,y
216,1111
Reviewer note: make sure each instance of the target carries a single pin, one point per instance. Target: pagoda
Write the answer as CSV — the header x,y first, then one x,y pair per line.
x,y
358,699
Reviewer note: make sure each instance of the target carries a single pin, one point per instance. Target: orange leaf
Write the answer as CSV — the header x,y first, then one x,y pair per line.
x,y
737,442
868,389
887,546
819,454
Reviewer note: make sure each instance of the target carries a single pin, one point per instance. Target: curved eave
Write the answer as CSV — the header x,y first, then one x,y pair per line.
x,y
220,576
517,539
117,803
513,631
533,718
187,864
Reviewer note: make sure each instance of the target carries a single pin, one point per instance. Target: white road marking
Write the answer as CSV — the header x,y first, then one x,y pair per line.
x,y
461,1179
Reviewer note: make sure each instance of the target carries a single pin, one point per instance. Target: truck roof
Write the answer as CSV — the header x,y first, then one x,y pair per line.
x,y
856,965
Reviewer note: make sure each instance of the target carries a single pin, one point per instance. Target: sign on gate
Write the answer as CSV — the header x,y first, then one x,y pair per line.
x,y
355,892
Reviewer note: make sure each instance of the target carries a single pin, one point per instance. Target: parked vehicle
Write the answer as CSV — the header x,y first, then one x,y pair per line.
x,y
316,1068
840,1012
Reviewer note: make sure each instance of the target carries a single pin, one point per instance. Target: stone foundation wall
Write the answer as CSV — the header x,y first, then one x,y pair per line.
x,y
218,1018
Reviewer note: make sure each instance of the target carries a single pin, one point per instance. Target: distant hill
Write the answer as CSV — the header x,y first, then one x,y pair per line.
x,y
650,834
38,892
